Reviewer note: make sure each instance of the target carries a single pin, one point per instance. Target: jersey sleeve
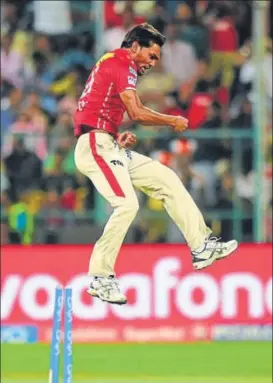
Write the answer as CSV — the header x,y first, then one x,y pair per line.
x,y
125,77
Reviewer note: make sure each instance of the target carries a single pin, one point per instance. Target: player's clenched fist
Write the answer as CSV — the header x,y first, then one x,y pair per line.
x,y
180,124
126,139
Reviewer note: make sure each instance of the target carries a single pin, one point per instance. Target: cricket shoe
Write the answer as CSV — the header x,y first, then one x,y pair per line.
x,y
213,251
107,289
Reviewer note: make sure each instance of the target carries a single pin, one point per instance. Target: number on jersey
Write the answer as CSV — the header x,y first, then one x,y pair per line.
x,y
87,89
89,84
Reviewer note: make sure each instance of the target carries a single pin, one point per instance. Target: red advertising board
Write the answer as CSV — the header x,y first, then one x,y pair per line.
x,y
167,300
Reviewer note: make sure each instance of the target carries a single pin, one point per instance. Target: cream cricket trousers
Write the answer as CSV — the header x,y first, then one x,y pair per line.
x,y
115,173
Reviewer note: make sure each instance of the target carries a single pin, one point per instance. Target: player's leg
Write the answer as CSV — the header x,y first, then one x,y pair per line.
x,y
162,183
98,157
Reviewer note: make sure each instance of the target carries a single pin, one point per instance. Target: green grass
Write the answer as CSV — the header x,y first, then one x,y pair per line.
x,y
198,362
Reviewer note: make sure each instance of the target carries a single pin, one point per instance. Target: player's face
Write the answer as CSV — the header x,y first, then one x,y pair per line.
x,y
147,58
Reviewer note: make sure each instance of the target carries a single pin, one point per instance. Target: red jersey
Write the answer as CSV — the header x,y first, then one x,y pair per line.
x,y
198,109
223,36
100,105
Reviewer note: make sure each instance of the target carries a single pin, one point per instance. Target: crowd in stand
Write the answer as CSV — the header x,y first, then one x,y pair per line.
x,y
206,74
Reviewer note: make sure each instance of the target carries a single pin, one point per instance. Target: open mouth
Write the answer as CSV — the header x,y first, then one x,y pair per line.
x,y
144,70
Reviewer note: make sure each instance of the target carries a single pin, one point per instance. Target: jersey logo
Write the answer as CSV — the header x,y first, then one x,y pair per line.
x,y
132,80
132,71
116,162
105,57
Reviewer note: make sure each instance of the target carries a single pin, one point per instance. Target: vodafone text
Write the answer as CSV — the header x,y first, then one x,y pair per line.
x,y
158,295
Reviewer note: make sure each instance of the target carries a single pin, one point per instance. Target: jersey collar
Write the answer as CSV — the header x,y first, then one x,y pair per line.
x,y
123,54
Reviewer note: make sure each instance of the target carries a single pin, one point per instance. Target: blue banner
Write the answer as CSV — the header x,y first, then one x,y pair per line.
x,y
19,334
242,333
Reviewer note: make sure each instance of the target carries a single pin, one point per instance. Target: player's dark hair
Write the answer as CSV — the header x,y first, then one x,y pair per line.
x,y
145,34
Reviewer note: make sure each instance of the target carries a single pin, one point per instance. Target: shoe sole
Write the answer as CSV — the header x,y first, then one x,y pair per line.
x,y
200,266
94,294
214,258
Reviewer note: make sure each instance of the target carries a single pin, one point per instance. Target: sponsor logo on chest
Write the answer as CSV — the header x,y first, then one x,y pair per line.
x,y
132,71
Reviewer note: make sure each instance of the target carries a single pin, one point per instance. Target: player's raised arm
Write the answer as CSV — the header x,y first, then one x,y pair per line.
x,y
146,116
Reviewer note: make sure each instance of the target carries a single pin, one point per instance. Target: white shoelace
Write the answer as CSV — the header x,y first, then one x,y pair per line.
x,y
212,239
109,285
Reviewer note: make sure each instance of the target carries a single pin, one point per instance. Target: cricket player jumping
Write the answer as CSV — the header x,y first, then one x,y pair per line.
x,y
102,154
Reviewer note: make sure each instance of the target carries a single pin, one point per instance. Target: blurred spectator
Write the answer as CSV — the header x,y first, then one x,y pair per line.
x,y
210,150
9,17
182,151
76,55
140,231
242,12
159,18
248,73
152,228
33,108
4,205
23,168
246,181
191,29
113,12
12,63
10,109
199,101
69,198
155,86
68,104
223,45
163,156
62,158
53,215
62,129
59,169
73,56
52,17
114,36
20,221
43,44
144,8
244,119
32,123
4,180
178,57
65,84
4,214
41,78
